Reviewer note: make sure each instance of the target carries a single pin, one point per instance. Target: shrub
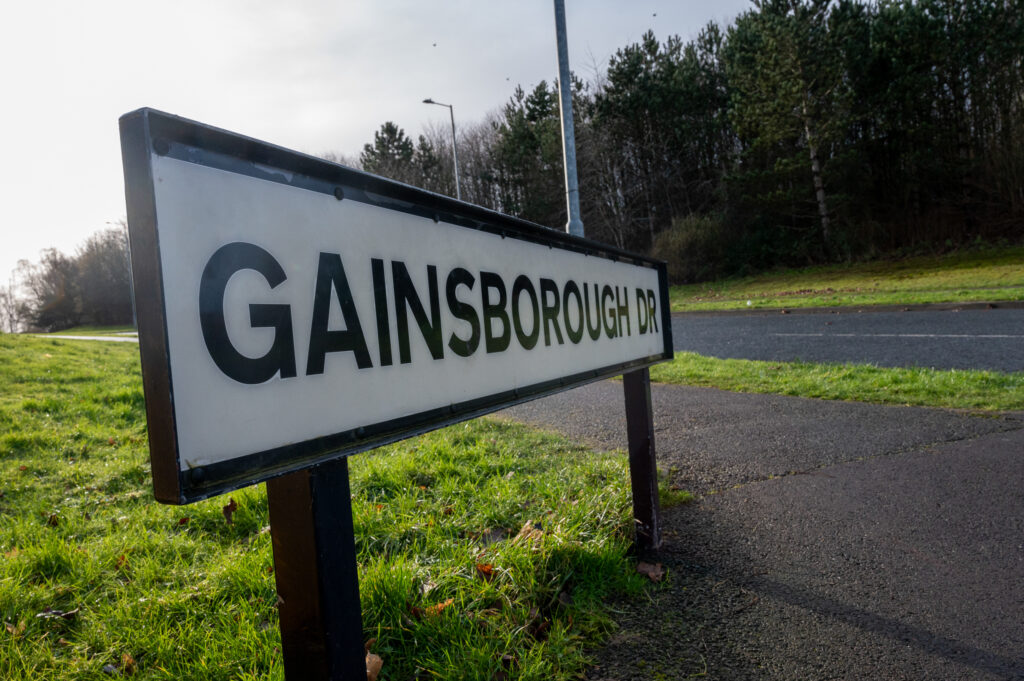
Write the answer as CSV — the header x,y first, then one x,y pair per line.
x,y
693,247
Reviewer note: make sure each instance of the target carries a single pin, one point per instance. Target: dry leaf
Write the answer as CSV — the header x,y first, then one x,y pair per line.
x,y
122,562
16,630
13,553
653,571
184,520
22,468
229,511
485,570
529,533
128,665
373,666
53,520
439,608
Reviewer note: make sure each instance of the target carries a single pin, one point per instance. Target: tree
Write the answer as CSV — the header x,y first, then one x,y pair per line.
x,y
52,289
104,278
390,155
11,308
528,157
786,85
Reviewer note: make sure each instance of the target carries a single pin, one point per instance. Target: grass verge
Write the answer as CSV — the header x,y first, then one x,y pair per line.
x,y
486,548
982,390
974,275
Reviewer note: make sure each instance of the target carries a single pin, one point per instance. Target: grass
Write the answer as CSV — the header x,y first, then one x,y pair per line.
x,y
486,547
974,275
977,390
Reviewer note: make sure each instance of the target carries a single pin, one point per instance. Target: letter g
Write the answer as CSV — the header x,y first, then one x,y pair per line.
x,y
228,260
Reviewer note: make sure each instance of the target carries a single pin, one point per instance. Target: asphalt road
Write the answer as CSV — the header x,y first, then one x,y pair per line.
x,y
830,540
990,339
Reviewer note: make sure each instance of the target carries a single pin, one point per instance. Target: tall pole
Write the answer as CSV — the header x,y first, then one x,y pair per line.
x,y
572,187
455,152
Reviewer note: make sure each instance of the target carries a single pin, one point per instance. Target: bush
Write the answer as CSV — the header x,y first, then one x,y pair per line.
x,y
694,248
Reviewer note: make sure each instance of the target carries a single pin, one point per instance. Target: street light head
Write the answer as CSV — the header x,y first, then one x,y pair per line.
x,y
428,100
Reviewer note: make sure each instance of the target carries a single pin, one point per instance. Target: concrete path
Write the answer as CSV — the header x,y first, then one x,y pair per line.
x,y
116,338
831,540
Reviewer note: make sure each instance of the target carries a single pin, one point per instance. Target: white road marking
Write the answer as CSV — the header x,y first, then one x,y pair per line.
x,y
900,335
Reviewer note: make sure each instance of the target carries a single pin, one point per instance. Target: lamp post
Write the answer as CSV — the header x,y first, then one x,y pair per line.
x,y
572,186
455,153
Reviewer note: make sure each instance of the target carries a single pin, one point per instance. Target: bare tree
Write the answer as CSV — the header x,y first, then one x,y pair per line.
x,y
11,308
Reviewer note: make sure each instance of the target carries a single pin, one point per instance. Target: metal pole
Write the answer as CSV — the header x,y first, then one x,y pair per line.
x,y
572,187
643,467
455,152
455,155
316,573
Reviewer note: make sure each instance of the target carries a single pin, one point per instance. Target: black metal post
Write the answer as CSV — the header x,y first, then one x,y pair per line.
x,y
643,469
316,573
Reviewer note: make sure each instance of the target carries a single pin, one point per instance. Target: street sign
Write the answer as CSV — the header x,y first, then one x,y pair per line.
x,y
292,310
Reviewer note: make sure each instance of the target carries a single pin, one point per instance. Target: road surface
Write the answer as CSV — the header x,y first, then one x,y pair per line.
x,y
991,339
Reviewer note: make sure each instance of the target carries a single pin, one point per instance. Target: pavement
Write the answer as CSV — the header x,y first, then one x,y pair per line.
x,y
829,540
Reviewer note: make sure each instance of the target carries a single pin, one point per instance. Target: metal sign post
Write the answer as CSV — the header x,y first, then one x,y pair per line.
x,y
293,312
316,573
643,468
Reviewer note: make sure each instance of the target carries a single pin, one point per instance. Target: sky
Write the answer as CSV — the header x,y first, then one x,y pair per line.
x,y
309,75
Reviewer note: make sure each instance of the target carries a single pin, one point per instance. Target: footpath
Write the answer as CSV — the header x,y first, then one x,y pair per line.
x,y
829,540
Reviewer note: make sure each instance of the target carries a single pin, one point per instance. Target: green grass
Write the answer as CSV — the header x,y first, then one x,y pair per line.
x,y
978,390
162,592
975,275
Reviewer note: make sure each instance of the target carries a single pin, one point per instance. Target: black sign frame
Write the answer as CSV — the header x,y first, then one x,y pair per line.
x,y
146,132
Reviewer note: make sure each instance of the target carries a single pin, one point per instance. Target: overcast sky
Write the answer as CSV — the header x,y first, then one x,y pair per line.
x,y
310,75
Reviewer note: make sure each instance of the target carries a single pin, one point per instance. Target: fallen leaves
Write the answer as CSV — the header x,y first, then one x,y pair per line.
x,y
16,630
229,511
530,533
653,571
485,570
431,611
374,663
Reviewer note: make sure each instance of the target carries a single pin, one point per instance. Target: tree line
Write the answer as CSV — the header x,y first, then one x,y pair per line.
x,y
92,286
806,131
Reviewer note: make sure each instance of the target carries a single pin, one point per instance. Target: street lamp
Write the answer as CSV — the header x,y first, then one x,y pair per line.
x,y
572,185
455,153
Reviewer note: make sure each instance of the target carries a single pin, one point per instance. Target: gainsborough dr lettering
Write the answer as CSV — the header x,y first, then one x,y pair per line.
x,y
486,313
